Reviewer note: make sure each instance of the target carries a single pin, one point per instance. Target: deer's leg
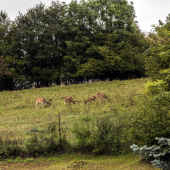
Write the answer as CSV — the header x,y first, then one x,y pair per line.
x,y
98,98
36,105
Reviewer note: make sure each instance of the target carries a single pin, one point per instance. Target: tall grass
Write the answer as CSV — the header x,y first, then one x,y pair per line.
x,y
19,118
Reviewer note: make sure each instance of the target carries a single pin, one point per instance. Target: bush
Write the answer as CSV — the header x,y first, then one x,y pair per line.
x,y
98,136
45,142
155,87
159,156
153,120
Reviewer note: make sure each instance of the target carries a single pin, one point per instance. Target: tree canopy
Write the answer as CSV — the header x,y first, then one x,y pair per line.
x,y
85,40
158,54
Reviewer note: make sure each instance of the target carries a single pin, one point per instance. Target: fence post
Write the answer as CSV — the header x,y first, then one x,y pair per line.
x,y
59,128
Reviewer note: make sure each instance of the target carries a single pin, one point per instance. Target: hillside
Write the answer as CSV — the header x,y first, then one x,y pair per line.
x,y
20,119
18,113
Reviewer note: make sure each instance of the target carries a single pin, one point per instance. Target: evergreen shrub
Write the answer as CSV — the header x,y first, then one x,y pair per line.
x,y
159,155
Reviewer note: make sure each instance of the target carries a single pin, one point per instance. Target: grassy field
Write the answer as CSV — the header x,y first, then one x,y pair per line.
x,y
85,162
18,113
18,116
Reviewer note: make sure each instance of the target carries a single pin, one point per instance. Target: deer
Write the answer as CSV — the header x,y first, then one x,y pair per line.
x,y
69,100
90,99
101,96
42,101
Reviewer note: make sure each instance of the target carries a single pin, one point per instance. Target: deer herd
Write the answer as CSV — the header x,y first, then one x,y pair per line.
x,y
70,100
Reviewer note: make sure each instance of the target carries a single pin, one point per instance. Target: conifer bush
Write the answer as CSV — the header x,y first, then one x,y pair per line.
x,y
159,155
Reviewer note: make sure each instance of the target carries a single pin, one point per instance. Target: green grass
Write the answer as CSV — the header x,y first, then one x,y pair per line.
x,y
85,162
18,115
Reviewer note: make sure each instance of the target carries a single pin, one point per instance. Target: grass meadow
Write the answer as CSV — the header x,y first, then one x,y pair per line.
x,y
18,116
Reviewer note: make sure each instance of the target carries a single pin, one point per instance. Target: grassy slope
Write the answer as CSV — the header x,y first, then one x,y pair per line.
x,y
18,114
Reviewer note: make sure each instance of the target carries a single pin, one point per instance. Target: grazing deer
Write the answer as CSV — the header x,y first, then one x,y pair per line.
x,y
101,96
42,101
69,100
90,99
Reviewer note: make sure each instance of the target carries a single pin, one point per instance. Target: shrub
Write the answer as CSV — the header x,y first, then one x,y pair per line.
x,y
107,137
155,87
98,136
49,141
153,120
83,135
159,156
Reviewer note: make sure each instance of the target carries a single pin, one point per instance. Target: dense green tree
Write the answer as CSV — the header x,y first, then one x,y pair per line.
x,y
158,55
3,67
78,37
153,119
5,39
38,40
102,31
6,42
89,39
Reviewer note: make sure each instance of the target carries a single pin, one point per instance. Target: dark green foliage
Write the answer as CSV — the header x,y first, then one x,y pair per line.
x,y
158,55
3,65
48,142
106,42
41,143
106,137
85,40
6,42
152,121
98,136
159,155
38,35
5,36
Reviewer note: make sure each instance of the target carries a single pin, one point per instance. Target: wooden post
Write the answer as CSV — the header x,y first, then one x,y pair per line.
x,y
59,128
60,134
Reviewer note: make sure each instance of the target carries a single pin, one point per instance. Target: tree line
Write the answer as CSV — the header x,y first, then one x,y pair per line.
x,y
97,39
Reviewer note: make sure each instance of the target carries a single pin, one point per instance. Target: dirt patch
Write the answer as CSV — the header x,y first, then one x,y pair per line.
x,y
77,164
21,165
